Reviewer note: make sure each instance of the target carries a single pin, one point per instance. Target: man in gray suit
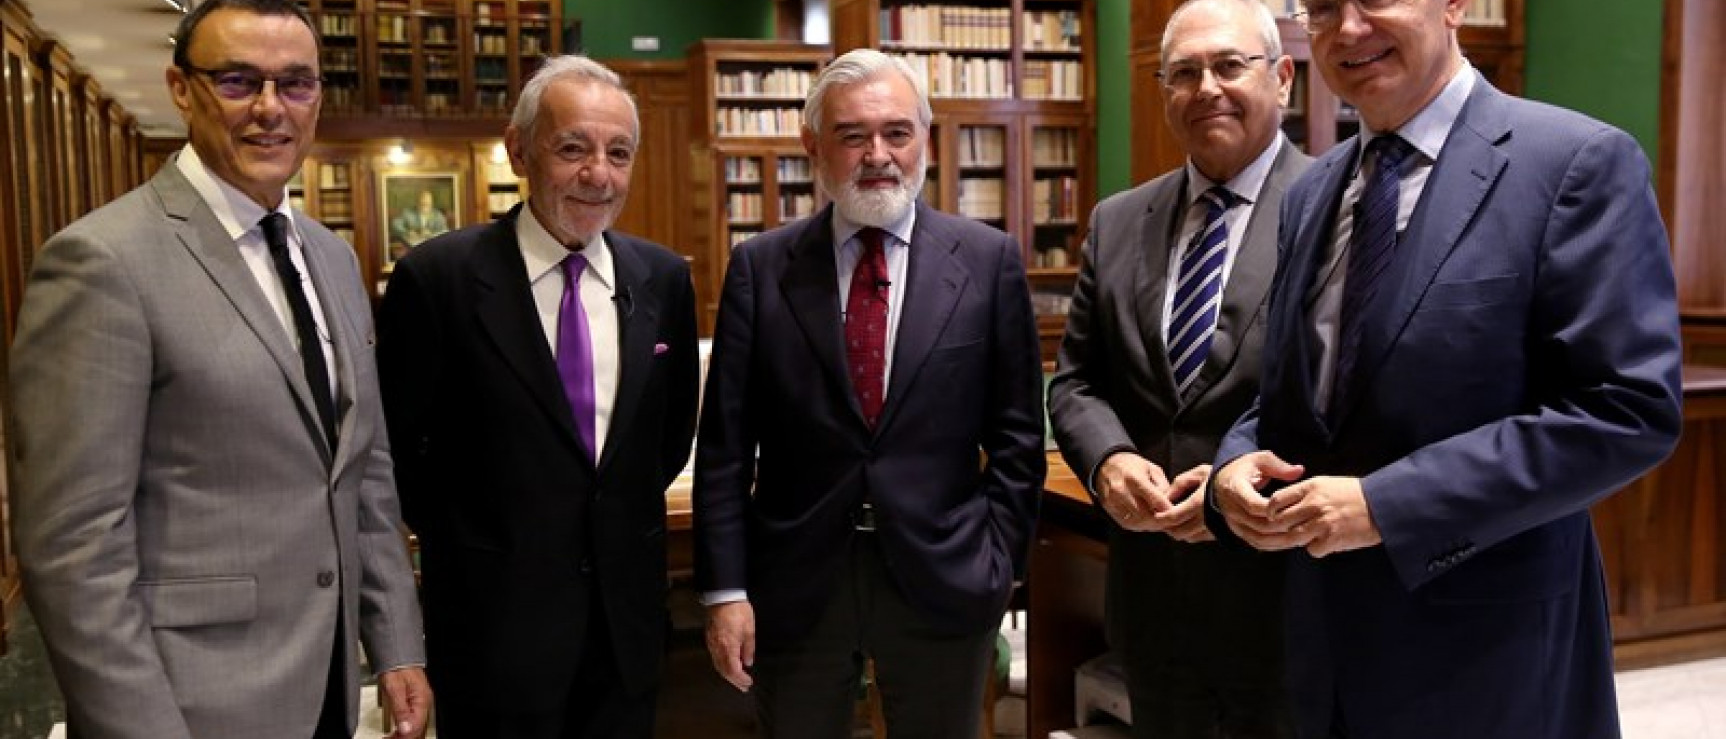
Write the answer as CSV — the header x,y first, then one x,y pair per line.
x,y
205,512
1160,356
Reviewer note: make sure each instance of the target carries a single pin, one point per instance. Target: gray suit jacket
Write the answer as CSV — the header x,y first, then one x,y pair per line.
x,y
1114,390
181,521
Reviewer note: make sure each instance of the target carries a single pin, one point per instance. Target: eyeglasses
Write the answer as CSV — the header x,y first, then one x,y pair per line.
x,y
1322,16
1188,74
243,84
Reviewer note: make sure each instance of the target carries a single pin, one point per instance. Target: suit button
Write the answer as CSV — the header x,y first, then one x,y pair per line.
x,y
586,566
326,579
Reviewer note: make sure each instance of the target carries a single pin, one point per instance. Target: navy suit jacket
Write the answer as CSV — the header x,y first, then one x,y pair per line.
x,y
1523,365
954,466
519,528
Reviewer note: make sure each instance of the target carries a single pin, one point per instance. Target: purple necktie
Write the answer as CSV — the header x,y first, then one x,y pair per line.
x,y
575,351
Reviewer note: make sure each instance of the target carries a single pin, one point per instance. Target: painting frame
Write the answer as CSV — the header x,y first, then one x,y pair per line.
x,y
404,221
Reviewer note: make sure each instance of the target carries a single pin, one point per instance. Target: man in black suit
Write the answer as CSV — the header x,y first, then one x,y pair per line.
x,y
539,379
866,481
1160,356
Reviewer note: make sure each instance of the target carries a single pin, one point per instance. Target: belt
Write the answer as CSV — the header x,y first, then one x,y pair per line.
x,y
863,519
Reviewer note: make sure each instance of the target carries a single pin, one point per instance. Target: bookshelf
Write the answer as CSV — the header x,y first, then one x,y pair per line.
x,y
750,170
1012,86
499,188
430,59
1491,38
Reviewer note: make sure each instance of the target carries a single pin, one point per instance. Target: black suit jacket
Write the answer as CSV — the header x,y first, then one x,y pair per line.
x,y
1114,390
518,529
785,456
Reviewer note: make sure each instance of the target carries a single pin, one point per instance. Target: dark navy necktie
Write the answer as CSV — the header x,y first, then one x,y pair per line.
x,y
1371,249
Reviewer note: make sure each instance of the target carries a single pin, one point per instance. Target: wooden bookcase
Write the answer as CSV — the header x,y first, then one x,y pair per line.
x,y
1012,84
1315,119
747,162
431,59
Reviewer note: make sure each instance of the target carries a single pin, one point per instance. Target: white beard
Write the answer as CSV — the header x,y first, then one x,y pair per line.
x,y
878,207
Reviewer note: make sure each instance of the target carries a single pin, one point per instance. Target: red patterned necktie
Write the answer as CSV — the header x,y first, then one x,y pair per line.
x,y
866,324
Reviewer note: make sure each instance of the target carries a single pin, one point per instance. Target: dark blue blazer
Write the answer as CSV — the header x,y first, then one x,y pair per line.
x,y
954,466
1524,365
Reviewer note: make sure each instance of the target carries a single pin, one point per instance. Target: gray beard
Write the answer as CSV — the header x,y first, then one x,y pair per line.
x,y
878,208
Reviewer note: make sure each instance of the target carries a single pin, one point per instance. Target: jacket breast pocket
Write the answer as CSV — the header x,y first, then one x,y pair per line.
x,y
1470,293
204,601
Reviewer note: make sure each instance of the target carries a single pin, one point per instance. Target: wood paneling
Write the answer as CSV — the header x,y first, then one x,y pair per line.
x,y
1661,540
1692,176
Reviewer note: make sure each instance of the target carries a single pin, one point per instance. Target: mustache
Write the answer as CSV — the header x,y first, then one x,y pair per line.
x,y
868,173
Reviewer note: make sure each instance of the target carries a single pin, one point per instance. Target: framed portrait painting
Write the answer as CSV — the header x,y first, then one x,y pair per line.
x,y
416,207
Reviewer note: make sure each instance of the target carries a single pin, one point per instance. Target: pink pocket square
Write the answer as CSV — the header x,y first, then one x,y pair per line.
x,y
661,348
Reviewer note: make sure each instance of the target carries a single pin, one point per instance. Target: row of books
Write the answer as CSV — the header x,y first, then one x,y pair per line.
x,y
779,82
947,25
747,170
336,206
332,176
1054,147
1479,12
982,146
1055,199
749,207
758,121
1053,80
982,198
742,170
1051,31
950,76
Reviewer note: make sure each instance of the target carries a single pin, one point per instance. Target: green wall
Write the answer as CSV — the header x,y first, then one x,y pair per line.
x,y
1114,99
1600,57
608,25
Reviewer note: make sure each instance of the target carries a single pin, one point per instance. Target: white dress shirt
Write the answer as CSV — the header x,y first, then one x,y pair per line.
x,y
544,258
239,216
897,247
1426,132
1246,186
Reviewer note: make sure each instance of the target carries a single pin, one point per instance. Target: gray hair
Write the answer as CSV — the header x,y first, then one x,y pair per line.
x,y
863,65
573,67
1267,24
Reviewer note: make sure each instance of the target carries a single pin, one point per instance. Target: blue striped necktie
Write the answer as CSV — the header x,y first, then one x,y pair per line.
x,y
1371,247
1199,290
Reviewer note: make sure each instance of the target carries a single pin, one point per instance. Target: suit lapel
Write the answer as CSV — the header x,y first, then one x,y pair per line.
x,y
504,306
811,289
1465,172
345,335
203,236
637,327
1250,277
1309,243
1158,234
936,279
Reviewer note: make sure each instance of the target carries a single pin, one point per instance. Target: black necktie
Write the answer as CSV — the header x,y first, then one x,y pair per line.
x,y
275,228
1371,249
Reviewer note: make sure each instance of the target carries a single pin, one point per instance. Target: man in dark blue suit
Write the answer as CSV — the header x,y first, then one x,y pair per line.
x,y
1473,337
871,448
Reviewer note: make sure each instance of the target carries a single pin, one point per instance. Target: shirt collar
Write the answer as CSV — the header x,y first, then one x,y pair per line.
x,y
1428,129
237,212
542,252
1246,184
844,230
